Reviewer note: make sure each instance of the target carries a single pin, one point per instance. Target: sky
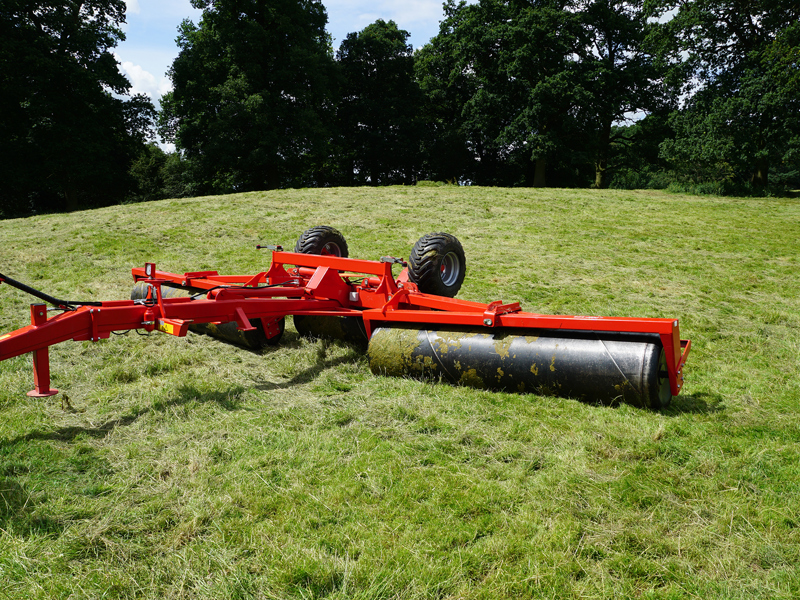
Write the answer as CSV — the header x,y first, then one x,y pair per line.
x,y
152,26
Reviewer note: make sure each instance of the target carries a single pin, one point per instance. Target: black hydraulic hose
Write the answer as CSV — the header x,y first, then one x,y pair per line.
x,y
62,304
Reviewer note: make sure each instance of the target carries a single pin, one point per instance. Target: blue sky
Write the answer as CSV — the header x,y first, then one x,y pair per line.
x,y
152,25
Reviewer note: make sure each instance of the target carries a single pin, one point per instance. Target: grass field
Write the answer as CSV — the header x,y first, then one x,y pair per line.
x,y
185,468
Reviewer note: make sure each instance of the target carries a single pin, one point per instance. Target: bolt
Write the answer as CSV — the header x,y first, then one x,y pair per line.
x,y
487,322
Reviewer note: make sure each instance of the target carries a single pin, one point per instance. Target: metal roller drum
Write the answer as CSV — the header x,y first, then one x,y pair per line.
x,y
594,367
346,329
226,332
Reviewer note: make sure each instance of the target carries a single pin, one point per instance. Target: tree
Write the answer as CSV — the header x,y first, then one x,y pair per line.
x,y
147,172
620,76
469,98
158,175
740,116
68,132
782,67
252,84
379,107
635,153
504,85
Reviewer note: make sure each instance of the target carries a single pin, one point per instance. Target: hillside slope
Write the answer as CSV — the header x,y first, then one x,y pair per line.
x,y
185,468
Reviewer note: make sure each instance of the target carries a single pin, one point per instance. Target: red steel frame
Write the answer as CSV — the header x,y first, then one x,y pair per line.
x,y
303,284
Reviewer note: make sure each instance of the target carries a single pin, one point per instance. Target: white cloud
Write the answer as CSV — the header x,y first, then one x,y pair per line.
x,y
132,7
419,17
144,82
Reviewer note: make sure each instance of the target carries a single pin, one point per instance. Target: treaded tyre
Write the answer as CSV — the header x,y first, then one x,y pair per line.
x,y
327,241
437,264
322,240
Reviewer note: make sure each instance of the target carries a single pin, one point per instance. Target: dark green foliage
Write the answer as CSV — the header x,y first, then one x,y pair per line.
x,y
741,121
635,154
620,76
379,110
501,90
179,177
158,175
691,95
68,133
527,93
148,172
251,90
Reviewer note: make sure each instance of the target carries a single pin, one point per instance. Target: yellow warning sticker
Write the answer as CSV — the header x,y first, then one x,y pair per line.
x,y
166,328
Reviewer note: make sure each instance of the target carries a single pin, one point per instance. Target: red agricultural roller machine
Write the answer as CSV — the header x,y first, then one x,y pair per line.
x,y
411,325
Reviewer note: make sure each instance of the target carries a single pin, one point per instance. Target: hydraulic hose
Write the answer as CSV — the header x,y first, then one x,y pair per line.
x,y
62,304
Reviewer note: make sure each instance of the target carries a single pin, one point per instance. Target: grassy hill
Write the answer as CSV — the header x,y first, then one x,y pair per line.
x,y
185,468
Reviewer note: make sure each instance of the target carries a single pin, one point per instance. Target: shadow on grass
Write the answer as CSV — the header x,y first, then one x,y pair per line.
x,y
227,399
17,510
322,363
700,403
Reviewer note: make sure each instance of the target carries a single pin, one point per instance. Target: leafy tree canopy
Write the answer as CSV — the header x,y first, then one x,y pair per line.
x,y
379,107
534,83
68,133
252,84
620,75
501,79
740,119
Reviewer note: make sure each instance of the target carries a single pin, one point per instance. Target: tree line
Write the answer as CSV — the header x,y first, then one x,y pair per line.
x,y
693,94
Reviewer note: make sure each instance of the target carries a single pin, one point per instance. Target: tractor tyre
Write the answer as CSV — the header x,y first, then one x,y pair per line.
x,y
322,240
437,264
327,241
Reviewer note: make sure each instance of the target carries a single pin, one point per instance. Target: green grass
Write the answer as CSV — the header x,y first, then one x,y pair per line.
x,y
185,468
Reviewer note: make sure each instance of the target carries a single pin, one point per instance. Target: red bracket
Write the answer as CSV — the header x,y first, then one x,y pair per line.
x,y
255,280
176,327
676,351
242,321
497,308
271,327
394,300
326,283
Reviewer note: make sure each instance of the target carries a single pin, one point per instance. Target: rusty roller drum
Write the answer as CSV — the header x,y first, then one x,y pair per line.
x,y
225,332
593,368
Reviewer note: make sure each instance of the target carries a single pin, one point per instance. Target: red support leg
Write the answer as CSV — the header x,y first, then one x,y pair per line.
x,y
41,358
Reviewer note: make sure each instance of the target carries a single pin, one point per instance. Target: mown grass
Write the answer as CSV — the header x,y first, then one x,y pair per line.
x,y
185,468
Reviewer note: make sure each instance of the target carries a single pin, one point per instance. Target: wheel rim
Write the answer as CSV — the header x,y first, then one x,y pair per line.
x,y
331,249
450,269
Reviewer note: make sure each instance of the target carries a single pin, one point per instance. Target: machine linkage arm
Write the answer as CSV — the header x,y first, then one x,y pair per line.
x,y
82,323
169,315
